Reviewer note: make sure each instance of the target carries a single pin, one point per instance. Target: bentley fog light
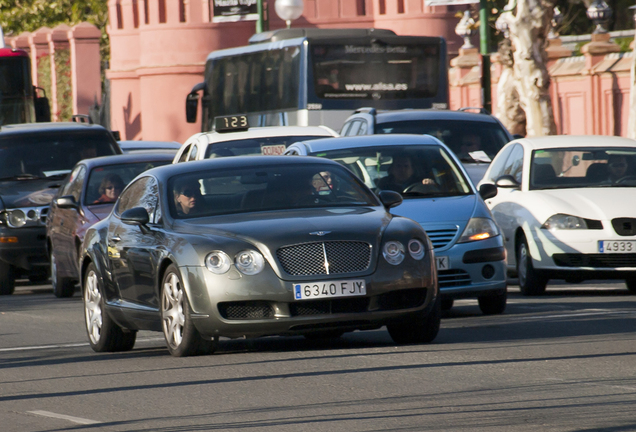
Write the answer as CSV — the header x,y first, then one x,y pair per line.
x,y
218,262
416,249
478,229
393,252
249,262
16,218
564,222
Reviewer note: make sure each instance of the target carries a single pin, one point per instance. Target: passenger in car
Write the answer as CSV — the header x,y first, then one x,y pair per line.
x,y
109,189
188,199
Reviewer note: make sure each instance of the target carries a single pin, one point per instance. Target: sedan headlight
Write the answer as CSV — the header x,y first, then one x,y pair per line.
x,y
416,249
16,218
218,262
249,262
479,229
564,222
393,252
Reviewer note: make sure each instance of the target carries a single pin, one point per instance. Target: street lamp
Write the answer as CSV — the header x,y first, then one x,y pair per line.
x,y
289,10
599,12
465,29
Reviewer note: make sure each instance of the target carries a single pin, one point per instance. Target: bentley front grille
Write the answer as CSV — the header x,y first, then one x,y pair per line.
x,y
325,258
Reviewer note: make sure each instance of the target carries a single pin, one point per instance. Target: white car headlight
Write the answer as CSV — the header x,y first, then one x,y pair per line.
x,y
393,252
218,262
564,222
249,262
479,229
416,249
16,218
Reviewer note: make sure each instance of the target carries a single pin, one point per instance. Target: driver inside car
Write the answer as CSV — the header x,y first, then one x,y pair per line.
x,y
402,175
617,168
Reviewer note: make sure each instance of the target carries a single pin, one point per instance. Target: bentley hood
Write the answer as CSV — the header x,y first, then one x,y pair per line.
x,y
27,193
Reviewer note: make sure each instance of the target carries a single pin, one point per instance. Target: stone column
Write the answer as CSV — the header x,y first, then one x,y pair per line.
x,y
85,67
462,75
596,50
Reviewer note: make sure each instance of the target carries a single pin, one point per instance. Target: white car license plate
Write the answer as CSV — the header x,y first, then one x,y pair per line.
x,y
331,289
617,246
443,263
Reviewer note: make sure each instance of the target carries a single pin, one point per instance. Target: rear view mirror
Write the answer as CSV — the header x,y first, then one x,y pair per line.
x,y
390,198
192,105
487,190
66,202
507,181
42,110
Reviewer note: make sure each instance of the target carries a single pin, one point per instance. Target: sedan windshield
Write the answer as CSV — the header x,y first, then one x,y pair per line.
x,y
413,171
471,141
583,167
262,188
266,146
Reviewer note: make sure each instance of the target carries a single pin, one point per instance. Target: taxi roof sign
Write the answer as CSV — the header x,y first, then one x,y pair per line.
x,y
232,123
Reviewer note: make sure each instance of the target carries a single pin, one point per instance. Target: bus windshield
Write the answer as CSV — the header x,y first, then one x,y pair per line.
x,y
368,71
16,92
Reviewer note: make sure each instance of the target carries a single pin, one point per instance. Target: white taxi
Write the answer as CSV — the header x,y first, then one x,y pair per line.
x,y
232,136
566,207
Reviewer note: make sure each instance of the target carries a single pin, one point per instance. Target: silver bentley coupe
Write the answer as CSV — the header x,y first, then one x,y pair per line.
x,y
255,246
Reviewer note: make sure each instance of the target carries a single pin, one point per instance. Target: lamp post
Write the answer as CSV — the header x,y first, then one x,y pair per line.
x,y
599,12
465,28
289,10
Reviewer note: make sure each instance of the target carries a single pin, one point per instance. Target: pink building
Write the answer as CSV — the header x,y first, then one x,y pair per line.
x,y
159,47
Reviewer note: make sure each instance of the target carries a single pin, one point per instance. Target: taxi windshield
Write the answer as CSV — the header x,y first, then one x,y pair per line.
x,y
267,146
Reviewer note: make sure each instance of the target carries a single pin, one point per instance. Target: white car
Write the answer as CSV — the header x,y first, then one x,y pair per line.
x,y
235,140
566,207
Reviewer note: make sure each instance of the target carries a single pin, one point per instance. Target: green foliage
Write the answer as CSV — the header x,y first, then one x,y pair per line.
x,y
64,85
17,16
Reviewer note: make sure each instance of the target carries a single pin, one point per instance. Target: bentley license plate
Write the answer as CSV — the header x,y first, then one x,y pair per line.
x,y
617,246
331,289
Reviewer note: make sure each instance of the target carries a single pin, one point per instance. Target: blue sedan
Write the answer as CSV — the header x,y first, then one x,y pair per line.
x,y
437,194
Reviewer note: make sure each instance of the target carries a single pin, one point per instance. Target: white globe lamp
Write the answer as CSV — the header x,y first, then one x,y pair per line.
x,y
289,10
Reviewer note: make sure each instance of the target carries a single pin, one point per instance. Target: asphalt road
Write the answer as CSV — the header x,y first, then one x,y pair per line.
x,y
565,361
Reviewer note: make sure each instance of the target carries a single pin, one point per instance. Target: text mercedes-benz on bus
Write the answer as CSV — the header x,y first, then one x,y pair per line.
x,y
310,77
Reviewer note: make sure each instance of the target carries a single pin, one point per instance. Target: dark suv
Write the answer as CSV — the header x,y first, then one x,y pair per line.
x,y
474,137
34,159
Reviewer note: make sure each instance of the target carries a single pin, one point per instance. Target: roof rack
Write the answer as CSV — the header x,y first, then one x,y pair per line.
x,y
366,110
82,118
480,110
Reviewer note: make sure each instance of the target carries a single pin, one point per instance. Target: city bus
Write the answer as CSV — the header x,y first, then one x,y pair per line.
x,y
311,77
19,101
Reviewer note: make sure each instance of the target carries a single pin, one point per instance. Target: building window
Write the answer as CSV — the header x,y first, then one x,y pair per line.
x,y
120,18
146,18
382,7
361,7
135,5
162,11
182,11
400,6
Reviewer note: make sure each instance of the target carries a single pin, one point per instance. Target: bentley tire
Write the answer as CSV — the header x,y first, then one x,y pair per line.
x,y
531,282
493,304
103,334
62,287
421,329
447,304
182,337
7,278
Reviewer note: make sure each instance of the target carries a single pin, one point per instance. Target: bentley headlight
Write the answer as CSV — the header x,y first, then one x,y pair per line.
x,y
479,229
218,262
416,249
564,222
393,252
16,218
249,262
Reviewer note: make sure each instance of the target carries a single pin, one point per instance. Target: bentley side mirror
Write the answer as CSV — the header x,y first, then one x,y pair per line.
x,y
487,190
66,202
136,216
390,198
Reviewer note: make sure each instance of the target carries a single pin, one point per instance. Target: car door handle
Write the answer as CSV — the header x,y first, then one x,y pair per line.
x,y
115,238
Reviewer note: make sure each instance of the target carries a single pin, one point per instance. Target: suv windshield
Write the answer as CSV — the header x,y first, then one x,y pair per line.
x,y
471,141
413,171
50,154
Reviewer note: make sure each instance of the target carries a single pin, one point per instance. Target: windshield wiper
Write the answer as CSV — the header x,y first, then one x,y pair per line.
x,y
424,194
25,176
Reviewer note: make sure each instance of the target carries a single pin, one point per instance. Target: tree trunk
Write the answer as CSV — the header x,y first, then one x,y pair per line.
x,y
631,125
529,26
509,111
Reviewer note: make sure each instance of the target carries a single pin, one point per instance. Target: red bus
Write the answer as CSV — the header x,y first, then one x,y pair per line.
x,y
19,100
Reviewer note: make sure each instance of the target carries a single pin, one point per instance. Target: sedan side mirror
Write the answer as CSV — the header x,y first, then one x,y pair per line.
x,y
136,216
487,190
390,198
507,181
66,202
